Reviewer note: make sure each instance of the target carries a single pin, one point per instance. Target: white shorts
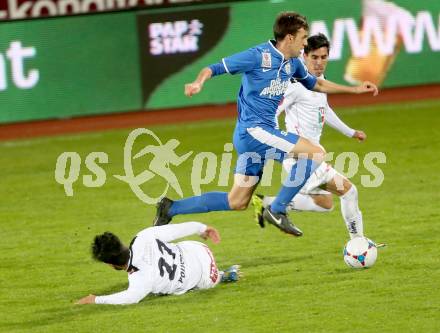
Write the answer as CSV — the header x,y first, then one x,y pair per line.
x,y
210,275
321,176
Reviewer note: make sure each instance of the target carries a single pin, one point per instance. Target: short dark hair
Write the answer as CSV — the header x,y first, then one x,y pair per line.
x,y
288,23
110,250
315,42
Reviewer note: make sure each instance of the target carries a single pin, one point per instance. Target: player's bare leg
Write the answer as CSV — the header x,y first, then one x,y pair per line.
x,y
241,193
339,185
304,149
324,202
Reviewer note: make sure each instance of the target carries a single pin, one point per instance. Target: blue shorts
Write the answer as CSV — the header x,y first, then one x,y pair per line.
x,y
255,145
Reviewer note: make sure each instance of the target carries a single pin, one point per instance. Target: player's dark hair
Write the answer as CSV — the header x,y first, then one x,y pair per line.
x,y
315,42
109,249
288,23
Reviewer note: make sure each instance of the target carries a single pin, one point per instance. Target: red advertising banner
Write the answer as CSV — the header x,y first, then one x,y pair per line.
x,y
32,9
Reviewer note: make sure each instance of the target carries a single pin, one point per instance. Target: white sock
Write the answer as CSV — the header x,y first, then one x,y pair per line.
x,y
301,201
267,201
351,213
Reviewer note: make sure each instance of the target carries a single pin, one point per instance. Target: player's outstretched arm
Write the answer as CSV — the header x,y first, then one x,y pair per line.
x,y
171,232
335,122
134,294
196,86
329,87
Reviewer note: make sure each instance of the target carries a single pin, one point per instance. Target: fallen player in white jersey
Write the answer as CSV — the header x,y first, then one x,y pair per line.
x,y
155,266
306,111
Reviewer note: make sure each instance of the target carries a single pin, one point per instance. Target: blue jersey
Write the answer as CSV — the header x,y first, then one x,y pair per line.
x,y
265,77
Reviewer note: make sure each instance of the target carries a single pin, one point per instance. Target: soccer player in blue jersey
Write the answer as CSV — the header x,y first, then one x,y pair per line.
x,y
266,70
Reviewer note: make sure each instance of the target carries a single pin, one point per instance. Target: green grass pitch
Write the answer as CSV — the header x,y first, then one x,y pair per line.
x,y
290,284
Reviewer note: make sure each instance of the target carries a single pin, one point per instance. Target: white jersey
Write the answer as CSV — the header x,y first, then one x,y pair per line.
x,y
159,267
307,111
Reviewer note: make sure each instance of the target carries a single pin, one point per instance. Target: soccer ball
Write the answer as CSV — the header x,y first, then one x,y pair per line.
x,y
360,252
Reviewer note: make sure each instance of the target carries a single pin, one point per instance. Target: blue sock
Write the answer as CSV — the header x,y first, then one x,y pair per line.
x,y
207,202
300,173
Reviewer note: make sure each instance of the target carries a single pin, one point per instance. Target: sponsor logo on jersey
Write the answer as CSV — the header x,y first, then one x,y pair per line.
x,y
276,88
266,60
